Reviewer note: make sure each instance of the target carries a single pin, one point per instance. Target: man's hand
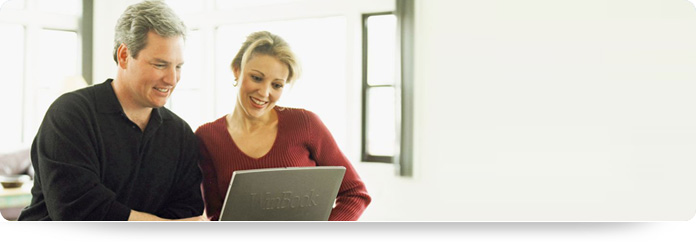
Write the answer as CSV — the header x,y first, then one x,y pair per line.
x,y
140,216
196,218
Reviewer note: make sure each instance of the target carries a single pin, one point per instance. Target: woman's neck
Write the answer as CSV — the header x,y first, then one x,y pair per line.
x,y
245,123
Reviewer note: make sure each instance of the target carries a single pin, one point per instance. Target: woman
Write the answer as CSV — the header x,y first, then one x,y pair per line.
x,y
259,134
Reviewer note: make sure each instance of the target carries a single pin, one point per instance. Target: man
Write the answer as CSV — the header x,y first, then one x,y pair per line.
x,y
112,151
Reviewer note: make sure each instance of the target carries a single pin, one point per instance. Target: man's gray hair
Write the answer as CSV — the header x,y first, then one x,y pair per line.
x,y
139,19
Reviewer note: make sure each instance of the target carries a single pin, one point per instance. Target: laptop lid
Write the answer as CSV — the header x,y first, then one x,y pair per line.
x,y
282,194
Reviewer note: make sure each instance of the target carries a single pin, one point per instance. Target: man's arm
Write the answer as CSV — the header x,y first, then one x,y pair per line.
x,y
140,216
67,164
185,200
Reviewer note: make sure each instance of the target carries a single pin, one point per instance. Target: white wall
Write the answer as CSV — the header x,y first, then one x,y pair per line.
x,y
549,110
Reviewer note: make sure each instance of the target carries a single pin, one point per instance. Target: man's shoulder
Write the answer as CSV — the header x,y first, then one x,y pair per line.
x,y
75,100
172,118
168,114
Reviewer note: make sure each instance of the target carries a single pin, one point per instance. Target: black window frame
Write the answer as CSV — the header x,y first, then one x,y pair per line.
x,y
404,86
365,155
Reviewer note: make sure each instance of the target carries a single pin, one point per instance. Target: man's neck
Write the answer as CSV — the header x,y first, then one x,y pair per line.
x,y
138,114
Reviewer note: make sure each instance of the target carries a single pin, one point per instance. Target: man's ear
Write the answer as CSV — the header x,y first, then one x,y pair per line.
x,y
122,56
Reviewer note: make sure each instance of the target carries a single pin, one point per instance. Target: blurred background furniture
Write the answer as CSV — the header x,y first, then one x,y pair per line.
x,y
12,200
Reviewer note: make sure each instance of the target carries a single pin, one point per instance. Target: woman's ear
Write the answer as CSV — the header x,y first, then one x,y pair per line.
x,y
235,70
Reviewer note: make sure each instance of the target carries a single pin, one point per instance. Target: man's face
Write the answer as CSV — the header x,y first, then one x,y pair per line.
x,y
151,77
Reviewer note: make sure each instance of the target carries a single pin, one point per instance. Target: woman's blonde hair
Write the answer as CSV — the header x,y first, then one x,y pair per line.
x,y
266,43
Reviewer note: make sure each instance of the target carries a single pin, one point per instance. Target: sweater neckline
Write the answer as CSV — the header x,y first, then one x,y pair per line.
x,y
236,147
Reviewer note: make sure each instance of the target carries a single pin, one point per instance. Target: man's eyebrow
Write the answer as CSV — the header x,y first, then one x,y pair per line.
x,y
157,60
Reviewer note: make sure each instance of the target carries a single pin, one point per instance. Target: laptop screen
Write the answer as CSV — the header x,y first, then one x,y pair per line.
x,y
282,194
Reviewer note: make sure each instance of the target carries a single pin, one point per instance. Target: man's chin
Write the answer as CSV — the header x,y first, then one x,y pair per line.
x,y
158,105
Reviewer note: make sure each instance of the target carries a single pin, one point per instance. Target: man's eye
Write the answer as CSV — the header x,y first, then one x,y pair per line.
x,y
160,66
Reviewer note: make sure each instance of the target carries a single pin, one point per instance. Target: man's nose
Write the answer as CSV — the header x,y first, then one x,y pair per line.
x,y
171,76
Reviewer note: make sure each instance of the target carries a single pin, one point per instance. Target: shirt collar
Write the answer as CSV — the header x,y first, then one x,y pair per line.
x,y
107,102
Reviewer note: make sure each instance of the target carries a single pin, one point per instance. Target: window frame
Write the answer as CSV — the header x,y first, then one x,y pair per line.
x,y
34,20
365,155
403,156
405,22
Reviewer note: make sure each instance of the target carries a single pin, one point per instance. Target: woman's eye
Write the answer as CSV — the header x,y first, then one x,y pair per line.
x,y
255,78
277,86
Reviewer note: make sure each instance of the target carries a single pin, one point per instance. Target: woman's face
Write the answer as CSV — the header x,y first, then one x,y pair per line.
x,y
261,85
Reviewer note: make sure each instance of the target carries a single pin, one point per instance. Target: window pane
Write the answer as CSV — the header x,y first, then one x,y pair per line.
x,y
13,4
228,40
56,73
59,58
12,81
68,7
188,105
381,50
381,121
192,71
187,99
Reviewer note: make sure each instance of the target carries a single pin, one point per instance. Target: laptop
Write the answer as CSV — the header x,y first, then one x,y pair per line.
x,y
282,194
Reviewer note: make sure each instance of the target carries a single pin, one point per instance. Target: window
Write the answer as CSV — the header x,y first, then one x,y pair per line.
x,y
43,56
187,101
405,29
379,88
57,66
12,62
387,94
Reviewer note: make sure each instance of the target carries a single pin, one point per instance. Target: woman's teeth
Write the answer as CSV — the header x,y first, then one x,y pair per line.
x,y
258,102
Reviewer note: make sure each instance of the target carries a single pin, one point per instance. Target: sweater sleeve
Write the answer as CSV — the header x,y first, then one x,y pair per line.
x,y
67,165
185,198
209,186
352,197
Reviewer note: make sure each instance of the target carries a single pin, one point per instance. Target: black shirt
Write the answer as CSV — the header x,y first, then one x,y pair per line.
x,y
92,163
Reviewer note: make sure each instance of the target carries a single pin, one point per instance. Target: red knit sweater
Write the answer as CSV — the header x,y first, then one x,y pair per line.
x,y
302,140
